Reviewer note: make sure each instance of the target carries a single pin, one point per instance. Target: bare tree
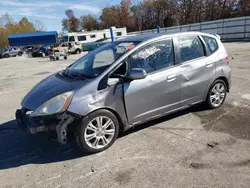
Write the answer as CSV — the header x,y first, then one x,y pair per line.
x,y
147,14
39,26
110,16
71,23
89,23
5,20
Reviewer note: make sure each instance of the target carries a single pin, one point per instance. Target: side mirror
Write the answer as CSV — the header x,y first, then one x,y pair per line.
x,y
113,81
137,73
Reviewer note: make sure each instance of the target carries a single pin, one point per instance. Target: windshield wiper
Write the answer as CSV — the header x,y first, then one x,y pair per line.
x,y
69,76
81,77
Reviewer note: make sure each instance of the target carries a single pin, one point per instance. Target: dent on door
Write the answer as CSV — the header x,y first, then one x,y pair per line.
x,y
153,96
196,76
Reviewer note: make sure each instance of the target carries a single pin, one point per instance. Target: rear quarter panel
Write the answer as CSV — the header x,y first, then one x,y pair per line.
x,y
222,68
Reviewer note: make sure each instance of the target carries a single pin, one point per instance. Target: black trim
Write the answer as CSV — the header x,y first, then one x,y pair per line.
x,y
207,51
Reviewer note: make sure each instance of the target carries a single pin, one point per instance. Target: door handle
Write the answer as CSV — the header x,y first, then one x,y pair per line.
x,y
171,77
209,64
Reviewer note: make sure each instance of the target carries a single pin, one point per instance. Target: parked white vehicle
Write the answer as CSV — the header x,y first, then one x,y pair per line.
x,y
69,47
92,36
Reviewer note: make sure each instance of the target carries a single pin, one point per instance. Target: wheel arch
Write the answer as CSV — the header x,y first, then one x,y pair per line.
x,y
224,78
121,122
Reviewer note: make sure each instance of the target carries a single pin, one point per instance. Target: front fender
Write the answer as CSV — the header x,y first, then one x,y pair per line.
x,y
110,98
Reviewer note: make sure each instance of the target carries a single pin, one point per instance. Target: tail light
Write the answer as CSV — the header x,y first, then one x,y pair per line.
x,y
227,59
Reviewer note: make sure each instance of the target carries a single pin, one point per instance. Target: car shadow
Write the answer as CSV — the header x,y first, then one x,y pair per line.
x,y
18,148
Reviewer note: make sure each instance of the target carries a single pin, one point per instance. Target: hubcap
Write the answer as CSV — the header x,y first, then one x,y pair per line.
x,y
217,94
99,132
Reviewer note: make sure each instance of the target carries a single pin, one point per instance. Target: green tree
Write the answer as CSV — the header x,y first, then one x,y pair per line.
x,y
25,26
8,26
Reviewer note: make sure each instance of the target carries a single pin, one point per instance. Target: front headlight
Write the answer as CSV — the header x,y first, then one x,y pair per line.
x,y
55,105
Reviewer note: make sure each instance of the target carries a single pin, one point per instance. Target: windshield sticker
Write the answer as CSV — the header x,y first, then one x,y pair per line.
x,y
124,47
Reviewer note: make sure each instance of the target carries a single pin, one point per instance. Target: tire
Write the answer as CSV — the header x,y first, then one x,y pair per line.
x,y
20,54
57,58
78,51
83,130
216,99
6,55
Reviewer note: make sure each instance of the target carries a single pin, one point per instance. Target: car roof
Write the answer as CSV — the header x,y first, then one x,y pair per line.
x,y
146,37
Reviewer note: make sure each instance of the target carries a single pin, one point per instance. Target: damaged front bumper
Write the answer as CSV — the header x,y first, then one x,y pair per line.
x,y
56,122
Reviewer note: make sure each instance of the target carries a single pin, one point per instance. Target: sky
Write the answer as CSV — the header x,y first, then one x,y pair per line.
x,y
51,12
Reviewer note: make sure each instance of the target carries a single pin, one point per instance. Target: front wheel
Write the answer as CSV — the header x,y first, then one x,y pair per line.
x,y
6,55
217,94
97,131
78,51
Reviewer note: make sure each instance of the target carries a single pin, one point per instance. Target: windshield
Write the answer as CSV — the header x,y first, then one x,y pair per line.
x,y
97,61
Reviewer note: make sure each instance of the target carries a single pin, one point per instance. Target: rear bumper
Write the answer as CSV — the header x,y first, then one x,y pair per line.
x,y
58,123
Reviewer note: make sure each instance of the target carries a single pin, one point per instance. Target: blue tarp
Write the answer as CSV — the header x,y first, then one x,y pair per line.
x,y
29,39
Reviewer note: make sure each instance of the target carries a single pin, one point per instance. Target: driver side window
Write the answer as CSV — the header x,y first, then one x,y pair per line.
x,y
121,71
154,57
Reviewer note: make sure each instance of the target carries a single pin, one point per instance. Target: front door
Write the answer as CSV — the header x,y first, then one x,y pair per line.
x,y
160,91
197,70
11,52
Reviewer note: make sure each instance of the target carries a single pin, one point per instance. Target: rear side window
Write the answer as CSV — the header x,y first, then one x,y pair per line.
x,y
81,38
72,38
190,47
211,43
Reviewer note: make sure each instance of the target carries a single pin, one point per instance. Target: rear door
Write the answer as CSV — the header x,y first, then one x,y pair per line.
x,y
11,52
197,69
160,91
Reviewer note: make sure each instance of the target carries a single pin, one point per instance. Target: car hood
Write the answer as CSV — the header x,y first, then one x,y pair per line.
x,y
36,51
48,88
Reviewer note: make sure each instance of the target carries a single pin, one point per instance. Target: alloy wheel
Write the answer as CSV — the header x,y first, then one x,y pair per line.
x,y
99,132
217,94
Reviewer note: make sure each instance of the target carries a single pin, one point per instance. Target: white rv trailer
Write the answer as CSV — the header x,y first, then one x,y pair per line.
x,y
92,36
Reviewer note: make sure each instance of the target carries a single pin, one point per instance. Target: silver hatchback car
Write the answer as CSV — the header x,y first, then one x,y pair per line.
x,y
126,83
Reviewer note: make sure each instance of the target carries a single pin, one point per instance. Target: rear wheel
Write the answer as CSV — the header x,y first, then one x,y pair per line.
x,y
20,54
97,131
217,94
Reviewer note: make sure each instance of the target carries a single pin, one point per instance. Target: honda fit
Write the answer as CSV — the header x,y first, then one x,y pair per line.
x,y
125,83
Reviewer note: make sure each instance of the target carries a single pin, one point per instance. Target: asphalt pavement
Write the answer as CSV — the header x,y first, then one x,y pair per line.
x,y
192,148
